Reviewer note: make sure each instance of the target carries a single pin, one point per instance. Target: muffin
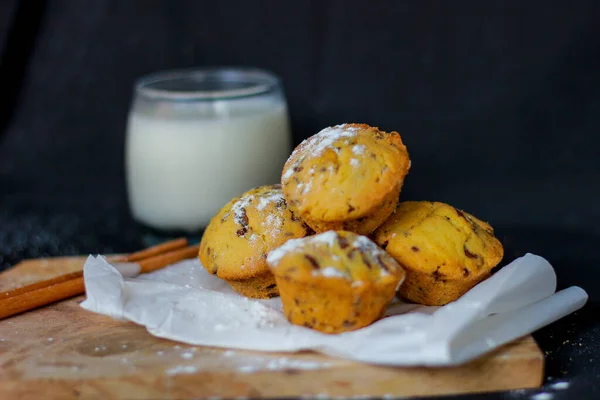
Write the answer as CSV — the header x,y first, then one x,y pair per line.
x,y
334,281
237,240
444,251
346,177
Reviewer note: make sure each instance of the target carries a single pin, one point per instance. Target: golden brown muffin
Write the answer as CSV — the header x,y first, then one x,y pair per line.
x,y
236,242
445,251
334,281
346,177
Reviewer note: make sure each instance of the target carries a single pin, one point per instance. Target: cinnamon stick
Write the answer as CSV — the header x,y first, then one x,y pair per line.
x,y
25,301
158,249
162,260
69,285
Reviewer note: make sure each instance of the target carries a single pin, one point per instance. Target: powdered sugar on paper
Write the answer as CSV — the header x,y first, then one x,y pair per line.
x,y
519,298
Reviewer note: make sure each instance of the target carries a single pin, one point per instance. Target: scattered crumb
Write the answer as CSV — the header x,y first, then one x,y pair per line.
x,y
542,396
182,369
560,385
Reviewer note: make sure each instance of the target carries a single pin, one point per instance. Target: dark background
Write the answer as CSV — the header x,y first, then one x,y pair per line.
x,y
498,103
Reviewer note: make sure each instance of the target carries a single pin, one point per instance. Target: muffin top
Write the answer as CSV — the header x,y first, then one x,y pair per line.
x,y
436,238
237,240
334,255
344,172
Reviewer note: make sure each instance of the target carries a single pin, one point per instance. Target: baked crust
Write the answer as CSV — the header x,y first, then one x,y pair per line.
x,y
235,244
445,251
346,177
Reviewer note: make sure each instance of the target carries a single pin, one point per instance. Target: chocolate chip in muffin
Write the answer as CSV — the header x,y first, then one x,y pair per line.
x,y
343,242
366,261
415,249
468,252
313,261
438,276
241,217
381,263
280,203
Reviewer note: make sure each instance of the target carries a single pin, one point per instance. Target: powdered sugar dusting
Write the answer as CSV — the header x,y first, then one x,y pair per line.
x,y
317,144
288,173
264,202
273,221
307,187
328,237
354,162
323,140
292,245
239,210
359,149
250,364
332,272
365,243
277,254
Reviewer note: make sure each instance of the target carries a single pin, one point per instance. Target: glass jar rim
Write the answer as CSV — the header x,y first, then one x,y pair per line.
x,y
259,81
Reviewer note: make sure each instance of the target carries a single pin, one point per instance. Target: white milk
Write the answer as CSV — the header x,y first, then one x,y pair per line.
x,y
181,171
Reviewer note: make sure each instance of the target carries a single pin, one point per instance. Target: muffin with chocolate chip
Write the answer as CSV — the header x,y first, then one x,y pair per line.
x,y
445,251
236,242
334,281
346,177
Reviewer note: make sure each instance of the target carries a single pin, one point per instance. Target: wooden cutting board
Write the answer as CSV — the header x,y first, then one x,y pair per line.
x,y
65,352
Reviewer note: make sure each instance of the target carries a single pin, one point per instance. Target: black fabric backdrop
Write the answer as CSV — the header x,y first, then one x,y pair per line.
x,y
497,101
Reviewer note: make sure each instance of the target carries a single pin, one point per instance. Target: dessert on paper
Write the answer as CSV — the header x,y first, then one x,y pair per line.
x,y
337,261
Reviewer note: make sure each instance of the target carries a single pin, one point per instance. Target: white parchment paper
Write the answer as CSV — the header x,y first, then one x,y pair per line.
x,y
184,303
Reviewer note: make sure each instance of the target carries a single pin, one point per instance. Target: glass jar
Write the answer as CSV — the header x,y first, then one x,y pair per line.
x,y
197,138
